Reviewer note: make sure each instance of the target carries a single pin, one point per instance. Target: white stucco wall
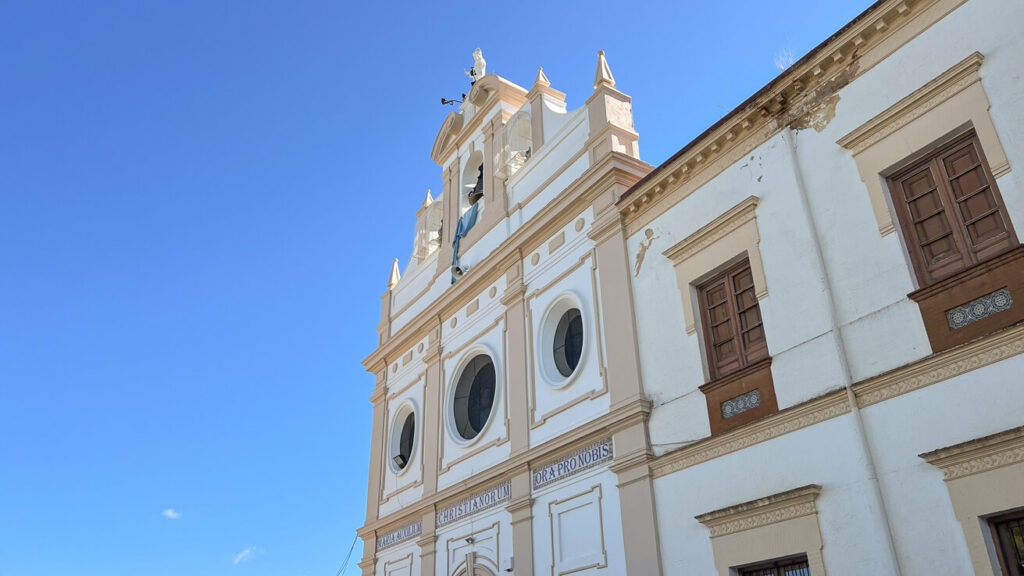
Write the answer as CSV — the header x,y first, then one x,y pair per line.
x,y
596,532
880,327
828,454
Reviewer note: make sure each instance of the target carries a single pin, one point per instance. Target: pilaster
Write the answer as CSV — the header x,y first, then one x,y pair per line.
x,y
495,201
616,301
516,357
521,509
377,442
636,497
431,429
369,562
450,215
428,543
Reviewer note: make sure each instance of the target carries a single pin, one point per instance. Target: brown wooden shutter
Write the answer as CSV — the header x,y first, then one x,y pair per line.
x,y
1009,536
979,206
731,318
950,211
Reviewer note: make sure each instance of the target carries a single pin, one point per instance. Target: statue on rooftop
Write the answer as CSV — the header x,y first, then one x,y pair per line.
x,y
479,66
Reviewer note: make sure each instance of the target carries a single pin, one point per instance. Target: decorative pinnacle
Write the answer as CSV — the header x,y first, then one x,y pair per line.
x,y
428,200
542,79
395,275
603,76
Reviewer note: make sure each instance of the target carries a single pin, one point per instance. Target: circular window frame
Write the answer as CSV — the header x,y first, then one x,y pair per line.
x,y
449,402
547,328
405,408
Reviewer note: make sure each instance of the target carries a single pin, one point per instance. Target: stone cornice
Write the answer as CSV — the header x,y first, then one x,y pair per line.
x,y
614,169
795,93
539,89
518,505
718,228
979,455
604,225
763,511
513,293
915,105
784,422
589,432
925,372
942,366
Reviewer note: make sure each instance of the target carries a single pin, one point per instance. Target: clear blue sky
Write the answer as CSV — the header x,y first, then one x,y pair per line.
x,y
199,204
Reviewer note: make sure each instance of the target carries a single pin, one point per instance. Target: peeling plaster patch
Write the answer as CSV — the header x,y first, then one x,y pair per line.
x,y
826,95
642,253
819,117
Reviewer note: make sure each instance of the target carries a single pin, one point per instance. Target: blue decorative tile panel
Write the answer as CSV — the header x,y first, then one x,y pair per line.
x,y
741,404
981,308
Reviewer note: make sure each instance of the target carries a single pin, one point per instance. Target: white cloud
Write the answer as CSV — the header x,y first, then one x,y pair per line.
x,y
171,514
246,555
784,59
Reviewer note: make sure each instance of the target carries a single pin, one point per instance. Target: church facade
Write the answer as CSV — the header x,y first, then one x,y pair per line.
x,y
793,348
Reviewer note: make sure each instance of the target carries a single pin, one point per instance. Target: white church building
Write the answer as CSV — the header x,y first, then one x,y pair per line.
x,y
795,348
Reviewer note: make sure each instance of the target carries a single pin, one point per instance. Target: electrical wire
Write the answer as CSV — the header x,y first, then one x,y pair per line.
x,y
347,556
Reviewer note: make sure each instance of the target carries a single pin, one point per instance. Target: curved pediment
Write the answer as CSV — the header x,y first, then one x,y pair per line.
x,y
449,131
486,92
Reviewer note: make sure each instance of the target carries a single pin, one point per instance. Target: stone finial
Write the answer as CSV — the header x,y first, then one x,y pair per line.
x,y
395,275
541,79
428,200
603,76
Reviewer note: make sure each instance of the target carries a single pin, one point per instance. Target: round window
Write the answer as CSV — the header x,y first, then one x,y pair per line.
x,y
568,343
474,396
405,441
402,441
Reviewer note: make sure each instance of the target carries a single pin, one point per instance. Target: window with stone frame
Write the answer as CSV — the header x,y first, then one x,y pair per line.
x,y
950,211
789,567
731,318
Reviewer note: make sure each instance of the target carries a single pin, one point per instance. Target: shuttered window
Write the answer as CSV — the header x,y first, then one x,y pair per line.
x,y
950,211
731,318
791,567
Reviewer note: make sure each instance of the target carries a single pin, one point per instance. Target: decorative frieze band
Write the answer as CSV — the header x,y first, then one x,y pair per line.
x,y
763,511
478,502
573,463
980,455
394,537
960,360
773,426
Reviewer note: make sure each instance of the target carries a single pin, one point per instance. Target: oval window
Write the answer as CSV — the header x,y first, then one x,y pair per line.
x,y
405,441
474,397
568,344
